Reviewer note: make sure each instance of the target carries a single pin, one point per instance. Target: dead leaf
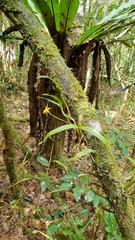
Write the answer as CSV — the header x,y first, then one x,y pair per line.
x,y
31,188
4,236
48,194
36,224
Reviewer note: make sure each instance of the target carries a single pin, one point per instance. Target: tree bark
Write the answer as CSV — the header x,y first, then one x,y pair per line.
x,y
9,151
83,113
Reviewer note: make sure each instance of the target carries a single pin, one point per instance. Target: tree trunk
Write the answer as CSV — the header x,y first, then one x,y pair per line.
x,y
83,113
40,123
9,150
33,101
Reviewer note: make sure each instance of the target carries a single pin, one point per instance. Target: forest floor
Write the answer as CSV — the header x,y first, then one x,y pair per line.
x,y
29,217
17,221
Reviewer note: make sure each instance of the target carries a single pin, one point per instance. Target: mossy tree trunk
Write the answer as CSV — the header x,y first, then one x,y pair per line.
x,y
9,150
83,113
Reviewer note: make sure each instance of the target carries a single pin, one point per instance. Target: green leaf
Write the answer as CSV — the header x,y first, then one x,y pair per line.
x,y
96,200
61,164
84,178
123,147
60,129
71,175
43,161
54,102
47,216
44,185
96,134
78,192
83,211
55,9
65,186
51,229
89,196
131,160
47,8
57,101
68,9
54,97
35,9
67,178
111,224
57,213
91,33
81,154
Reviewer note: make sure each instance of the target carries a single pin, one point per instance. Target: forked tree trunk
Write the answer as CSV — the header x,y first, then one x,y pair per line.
x,y
83,113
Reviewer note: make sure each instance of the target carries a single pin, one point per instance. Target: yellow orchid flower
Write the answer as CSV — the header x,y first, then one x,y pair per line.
x,y
46,110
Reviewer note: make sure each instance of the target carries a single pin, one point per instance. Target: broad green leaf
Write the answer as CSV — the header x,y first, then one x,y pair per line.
x,y
65,186
54,6
111,224
43,185
67,178
96,134
96,200
81,154
84,178
91,33
70,176
78,192
60,129
89,196
68,9
123,147
35,9
48,13
113,139
43,161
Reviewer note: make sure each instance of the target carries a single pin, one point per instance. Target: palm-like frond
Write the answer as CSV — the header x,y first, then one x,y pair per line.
x,y
115,20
